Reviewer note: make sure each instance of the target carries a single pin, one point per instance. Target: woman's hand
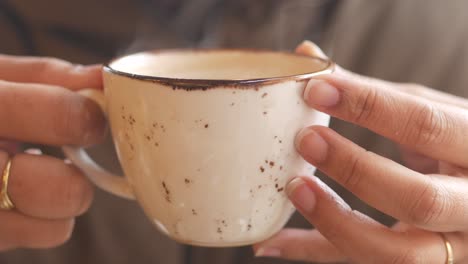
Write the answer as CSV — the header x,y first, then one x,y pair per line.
x,y
428,206
38,105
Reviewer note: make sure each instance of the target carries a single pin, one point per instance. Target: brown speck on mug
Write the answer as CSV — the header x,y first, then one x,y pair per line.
x,y
262,169
206,125
131,120
264,95
194,212
168,193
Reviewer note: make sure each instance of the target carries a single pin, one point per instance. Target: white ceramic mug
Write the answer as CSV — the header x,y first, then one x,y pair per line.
x,y
206,139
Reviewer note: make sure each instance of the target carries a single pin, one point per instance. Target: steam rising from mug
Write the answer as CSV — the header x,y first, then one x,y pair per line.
x,y
275,25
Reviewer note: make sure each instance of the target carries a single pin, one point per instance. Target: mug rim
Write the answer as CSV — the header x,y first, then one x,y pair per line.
x,y
188,83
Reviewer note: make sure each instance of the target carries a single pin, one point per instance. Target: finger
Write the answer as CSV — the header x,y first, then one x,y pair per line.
x,y
9,146
45,187
298,244
431,202
434,95
17,230
309,48
458,240
357,236
438,132
418,162
452,170
48,115
49,71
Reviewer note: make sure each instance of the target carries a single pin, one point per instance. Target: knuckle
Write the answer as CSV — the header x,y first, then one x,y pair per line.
x,y
363,107
425,125
425,205
332,231
351,174
413,88
68,124
62,121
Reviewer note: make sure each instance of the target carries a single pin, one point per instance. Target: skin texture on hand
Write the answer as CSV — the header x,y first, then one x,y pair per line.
x,y
38,104
427,202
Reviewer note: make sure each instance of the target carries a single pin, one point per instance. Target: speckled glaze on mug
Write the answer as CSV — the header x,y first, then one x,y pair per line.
x,y
206,138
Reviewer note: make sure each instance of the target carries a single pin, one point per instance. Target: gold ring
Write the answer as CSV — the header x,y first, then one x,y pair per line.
x,y
5,201
449,250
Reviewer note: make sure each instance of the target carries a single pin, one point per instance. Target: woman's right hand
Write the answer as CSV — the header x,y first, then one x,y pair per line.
x,y
38,105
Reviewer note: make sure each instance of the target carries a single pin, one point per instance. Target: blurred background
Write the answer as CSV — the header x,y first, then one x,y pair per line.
x,y
419,41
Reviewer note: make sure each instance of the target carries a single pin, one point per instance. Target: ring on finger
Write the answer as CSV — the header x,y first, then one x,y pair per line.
x,y
448,248
5,201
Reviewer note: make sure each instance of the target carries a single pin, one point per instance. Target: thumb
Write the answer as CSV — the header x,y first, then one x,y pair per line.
x,y
307,47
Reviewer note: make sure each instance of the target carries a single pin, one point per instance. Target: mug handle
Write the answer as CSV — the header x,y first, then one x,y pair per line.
x,y
100,177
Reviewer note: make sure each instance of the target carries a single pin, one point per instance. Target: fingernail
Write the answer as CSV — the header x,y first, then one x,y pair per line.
x,y
311,145
321,93
268,252
301,195
86,68
308,47
33,151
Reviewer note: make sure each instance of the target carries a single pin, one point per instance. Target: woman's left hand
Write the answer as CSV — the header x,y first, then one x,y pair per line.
x,y
430,208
